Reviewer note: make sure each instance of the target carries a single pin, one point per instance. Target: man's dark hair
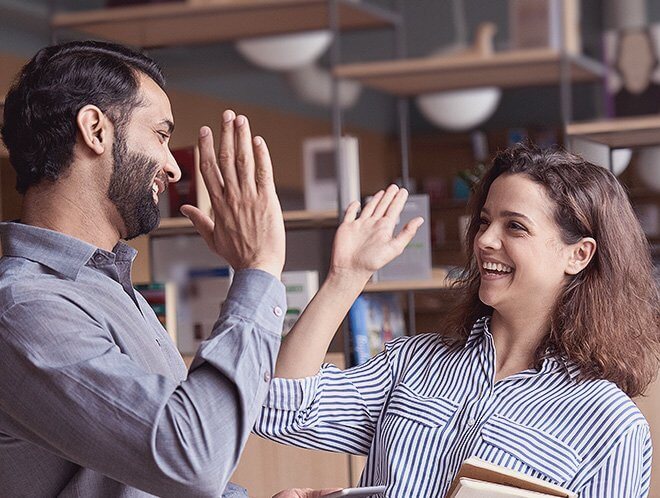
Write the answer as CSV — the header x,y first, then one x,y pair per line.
x,y
41,107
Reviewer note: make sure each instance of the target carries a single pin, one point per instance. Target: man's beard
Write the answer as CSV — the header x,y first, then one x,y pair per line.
x,y
130,188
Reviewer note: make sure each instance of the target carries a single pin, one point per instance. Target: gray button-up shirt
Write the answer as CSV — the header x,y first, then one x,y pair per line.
x,y
95,400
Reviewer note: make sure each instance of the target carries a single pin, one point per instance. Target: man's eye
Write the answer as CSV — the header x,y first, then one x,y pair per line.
x,y
516,226
164,136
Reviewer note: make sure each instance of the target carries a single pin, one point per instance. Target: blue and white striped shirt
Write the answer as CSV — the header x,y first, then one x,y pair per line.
x,y
419,409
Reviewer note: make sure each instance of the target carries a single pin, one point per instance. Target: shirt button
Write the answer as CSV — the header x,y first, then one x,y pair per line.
x,y
267,377
99,258
471,422
277,310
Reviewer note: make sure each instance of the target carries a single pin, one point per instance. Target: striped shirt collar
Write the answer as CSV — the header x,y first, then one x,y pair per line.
x,y
480,331
62,253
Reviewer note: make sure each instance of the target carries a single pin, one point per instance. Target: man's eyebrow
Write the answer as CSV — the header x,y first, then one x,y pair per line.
x,y
169,124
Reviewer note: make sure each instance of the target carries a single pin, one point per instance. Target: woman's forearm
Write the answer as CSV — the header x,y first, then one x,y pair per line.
x,y
304,348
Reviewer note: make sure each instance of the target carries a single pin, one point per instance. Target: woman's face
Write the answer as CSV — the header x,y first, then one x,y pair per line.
x,y
519,250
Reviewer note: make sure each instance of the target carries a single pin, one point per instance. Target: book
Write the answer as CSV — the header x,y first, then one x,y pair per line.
x,y
357,327
162,298
374,319
478,478
301,287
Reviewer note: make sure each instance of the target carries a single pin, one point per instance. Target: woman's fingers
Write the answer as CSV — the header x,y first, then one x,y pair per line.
x,y
351,211
396,206
404,237
385,201
369,208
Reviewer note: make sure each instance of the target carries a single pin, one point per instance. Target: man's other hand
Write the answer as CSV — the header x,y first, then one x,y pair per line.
x,y
247,228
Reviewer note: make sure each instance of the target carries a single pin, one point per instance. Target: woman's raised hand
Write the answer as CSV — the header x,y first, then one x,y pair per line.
x,y
365,243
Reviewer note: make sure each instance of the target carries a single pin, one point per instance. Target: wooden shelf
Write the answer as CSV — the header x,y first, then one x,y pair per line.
x,y
292,220
207,21
438,280
508,69
637,131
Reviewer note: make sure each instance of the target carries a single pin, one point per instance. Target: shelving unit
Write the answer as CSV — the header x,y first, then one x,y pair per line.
x,y
637,131
292,219
438,280
509,69
196,22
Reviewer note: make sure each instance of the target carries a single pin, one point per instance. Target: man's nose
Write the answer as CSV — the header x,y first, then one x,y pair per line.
x,y
172,168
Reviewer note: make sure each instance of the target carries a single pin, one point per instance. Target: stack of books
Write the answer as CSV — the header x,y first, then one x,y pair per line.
x,y
478,478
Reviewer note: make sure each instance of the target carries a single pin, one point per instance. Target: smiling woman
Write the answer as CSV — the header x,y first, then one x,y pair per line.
x,y
579,242
556,328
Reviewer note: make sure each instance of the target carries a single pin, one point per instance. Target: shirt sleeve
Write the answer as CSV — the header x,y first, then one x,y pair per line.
x,y
335,410
66,386
626,470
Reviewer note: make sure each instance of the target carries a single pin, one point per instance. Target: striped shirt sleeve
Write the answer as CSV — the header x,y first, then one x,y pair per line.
x,y
335,410
626,471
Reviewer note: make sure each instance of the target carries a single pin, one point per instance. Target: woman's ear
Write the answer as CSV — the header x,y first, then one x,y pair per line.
x,y
580,255
93,128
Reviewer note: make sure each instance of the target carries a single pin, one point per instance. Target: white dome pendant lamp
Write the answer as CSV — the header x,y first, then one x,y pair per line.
x,y
461,110
313,85
285,52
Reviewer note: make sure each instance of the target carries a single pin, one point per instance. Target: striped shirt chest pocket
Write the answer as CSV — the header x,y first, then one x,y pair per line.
x,y
528,450
407,404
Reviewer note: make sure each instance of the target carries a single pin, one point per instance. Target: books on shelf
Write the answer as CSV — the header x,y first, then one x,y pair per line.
x,y
415,261
478,478
373,320
301,286
162,297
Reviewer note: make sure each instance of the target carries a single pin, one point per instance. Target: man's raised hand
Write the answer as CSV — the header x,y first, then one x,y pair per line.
x,y
247,228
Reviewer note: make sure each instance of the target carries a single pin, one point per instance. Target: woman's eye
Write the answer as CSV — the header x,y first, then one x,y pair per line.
x,y
483,221
517,226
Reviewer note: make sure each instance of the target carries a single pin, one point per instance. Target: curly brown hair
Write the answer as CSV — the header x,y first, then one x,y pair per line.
x,y
606,318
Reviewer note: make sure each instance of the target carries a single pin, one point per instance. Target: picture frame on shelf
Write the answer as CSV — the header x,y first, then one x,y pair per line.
x,y
328,184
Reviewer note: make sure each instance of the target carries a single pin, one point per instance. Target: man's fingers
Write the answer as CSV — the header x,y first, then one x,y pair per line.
x,y
264,166
368,209
227,153
202,222
385,201
207,164
244,154
404,237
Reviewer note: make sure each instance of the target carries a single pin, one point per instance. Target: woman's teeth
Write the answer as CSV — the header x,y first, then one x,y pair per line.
x,y
497,267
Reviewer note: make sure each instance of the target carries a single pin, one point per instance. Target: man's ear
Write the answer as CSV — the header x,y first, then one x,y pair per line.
x,y
93,126
580,255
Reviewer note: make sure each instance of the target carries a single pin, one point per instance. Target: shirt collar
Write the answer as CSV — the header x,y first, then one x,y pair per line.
x,y
62,253
480,329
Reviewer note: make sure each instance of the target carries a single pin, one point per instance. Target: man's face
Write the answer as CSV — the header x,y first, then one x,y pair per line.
x,y
131,187
142,171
